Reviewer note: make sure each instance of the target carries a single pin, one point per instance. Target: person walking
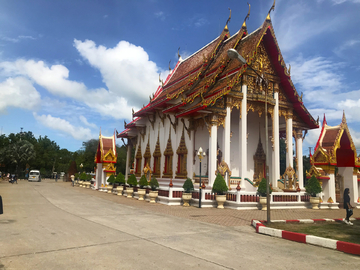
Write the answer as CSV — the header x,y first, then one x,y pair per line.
x,y
347,207
56,178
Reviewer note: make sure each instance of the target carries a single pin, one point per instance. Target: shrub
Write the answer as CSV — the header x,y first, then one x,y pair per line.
x,y
83,176
111,179
120,179
188,186
219,186
76,176
143,181
313,186
154,184
88,177
132,180
262,188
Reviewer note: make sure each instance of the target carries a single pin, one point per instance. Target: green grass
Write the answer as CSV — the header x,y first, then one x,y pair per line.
x,y
333,230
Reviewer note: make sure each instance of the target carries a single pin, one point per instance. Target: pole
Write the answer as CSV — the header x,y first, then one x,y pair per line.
x,y
200,186
266,161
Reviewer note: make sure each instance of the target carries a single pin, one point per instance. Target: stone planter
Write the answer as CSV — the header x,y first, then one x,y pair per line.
x,y
186,198
153,195
129,192
88,184
141,193
220,199
80,183
263,203
104,189
109,190
119,190
315,202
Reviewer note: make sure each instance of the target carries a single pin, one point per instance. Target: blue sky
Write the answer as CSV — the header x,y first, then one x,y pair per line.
x,y
69,67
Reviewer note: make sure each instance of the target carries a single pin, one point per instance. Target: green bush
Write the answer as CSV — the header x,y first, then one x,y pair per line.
x,y
76,176
154,184
262,188
219,186
188,186
83,176
132,180
120,179
88,177
143,181
111,179
313,186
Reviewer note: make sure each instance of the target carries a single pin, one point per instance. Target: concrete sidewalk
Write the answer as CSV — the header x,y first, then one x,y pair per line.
x,y
223,217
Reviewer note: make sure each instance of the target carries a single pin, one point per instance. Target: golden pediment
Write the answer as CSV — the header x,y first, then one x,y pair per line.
x,y
320,156
110,156
110,167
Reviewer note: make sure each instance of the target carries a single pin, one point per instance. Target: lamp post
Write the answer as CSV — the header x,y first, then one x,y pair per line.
x,y
233,54
201,155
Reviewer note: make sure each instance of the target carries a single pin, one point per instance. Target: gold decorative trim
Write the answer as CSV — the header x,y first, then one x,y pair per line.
x,y
168,154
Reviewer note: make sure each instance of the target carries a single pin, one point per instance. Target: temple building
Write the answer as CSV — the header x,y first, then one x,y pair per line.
x,y
105,159
335,150
212,101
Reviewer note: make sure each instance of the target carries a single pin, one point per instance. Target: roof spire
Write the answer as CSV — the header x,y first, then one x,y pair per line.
x,y
179,56
228,20
324,121
272,8
343,118
246,18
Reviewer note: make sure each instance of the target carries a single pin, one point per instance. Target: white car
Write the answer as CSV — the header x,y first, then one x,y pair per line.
x,y
34,175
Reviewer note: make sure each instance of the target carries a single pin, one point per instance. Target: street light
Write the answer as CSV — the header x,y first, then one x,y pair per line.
x,y
201,155
233,54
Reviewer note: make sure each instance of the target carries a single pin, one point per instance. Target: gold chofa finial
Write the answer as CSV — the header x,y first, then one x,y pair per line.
x,y
247,17
272,8
179,56
228,20
162,83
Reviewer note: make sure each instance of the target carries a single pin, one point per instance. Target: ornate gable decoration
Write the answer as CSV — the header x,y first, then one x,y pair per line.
x,y
182,150
320,156
147,153
157,152
110,168
168,151
138,153
110,156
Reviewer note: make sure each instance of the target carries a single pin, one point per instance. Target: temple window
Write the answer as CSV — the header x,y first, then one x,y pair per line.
x,y
147,154
168,154
138,159
182,151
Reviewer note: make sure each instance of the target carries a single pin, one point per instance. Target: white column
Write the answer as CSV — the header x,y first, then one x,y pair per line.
x,y
243,132
289,153
355,192
98,175
276,138
226,139
332,191
212,152
128,155
299,156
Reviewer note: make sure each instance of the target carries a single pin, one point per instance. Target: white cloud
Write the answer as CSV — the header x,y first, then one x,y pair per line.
x,y
85,121
160,15
294,28
78,133
18,92
338,2
126,70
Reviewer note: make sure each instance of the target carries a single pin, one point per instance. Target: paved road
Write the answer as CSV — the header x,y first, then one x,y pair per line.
x,y
51,225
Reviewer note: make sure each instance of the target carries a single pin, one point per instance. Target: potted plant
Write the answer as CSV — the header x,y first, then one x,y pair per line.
x,y
220,188
153,194
131,182
120,180
82,179
313,188
188,187
111,181
141,191
262,192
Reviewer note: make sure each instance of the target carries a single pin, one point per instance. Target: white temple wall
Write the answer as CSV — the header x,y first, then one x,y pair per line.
x,y
235,163
347,173
190,148
98,175
254,122
201,140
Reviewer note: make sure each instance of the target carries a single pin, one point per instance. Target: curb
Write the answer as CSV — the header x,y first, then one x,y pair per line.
x,y
305,238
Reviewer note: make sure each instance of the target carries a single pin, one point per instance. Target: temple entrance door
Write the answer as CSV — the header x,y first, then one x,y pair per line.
x,y
339,189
